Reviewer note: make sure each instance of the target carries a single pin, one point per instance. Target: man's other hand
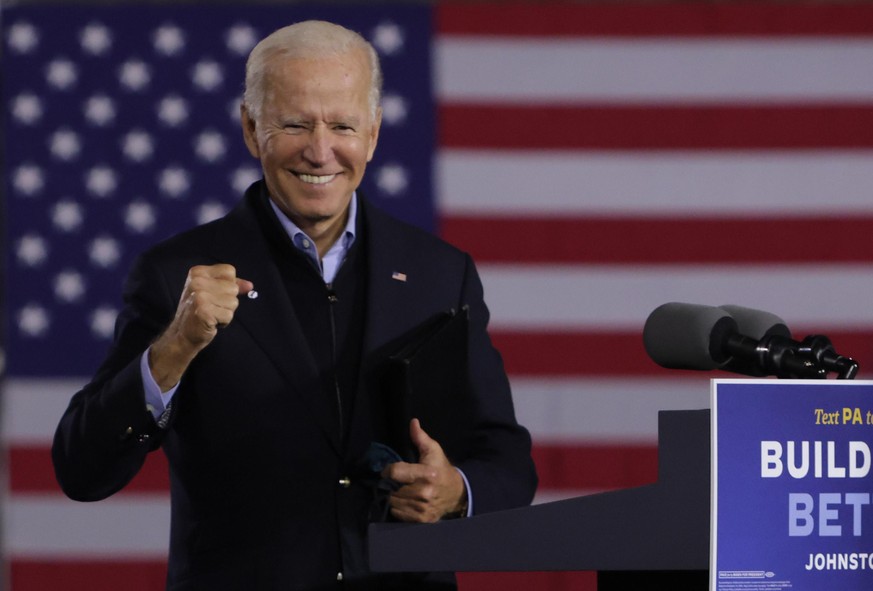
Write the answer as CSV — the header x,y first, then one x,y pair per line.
x,y
430,489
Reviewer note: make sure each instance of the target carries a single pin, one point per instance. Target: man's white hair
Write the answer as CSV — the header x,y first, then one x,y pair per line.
x,y
306,39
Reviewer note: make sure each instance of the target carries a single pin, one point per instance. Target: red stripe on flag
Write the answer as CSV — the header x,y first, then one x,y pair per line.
x,y
574,353
581,353
575,467
627,240
603,127
30,470
79,575
683,20
87,575
526,581
562,467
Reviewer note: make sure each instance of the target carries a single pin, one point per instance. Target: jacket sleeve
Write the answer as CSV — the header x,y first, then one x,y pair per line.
x,y
103,437
500,469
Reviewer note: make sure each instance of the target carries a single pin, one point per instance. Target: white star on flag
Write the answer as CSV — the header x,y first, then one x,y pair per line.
x,y
207,75
22,37
173,181
387,38
64,144
134,75
233,109
101,181
139,216
28,179
104,252
392,179
33,320
99,110
61,73
103,321
210,146
32,250
96,39
244,176
240,39
137,145
168,40
27,108
67,215
172,110
210,211
69,286
394,109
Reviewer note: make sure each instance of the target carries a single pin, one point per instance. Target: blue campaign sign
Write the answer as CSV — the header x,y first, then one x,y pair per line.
x,y
792,483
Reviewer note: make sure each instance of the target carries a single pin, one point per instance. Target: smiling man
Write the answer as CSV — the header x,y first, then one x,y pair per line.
x,y
314,127
252,350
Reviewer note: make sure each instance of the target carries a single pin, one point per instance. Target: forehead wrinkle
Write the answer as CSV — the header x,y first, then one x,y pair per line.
x,y
282,76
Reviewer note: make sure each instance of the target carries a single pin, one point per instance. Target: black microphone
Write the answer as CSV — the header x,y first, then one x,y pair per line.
x,y
759,325
755,324
687,336
819,347
691,336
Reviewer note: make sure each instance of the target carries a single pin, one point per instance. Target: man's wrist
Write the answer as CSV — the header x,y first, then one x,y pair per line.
x,y
461,508
168,361
459,511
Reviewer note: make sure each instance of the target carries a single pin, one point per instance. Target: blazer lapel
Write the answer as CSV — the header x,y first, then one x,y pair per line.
x,y
268,316
388,298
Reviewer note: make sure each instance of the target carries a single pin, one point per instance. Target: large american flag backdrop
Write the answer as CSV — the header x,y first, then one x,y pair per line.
x,y
597,161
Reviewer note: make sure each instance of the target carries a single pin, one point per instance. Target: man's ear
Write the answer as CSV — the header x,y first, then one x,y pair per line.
x,y
249,130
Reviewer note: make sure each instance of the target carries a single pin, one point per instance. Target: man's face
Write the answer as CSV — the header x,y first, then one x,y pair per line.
x,y
314,136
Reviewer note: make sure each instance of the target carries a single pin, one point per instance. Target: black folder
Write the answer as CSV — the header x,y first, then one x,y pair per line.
x,y
428,379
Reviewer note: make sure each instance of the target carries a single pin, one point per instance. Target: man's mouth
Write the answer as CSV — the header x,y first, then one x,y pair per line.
x,y
316,179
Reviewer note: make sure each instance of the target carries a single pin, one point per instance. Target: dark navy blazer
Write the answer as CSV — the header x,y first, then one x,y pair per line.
x,y
264,493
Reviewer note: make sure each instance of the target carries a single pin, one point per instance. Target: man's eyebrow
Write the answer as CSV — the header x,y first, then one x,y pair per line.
x,y
347,118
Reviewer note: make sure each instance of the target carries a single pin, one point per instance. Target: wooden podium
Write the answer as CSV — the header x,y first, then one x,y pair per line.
x,y
653,536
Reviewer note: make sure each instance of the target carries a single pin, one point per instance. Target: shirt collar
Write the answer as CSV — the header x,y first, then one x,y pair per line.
x,y
298,236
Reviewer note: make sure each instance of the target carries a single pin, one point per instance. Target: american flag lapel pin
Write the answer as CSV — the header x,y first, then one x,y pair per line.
x,y
398,276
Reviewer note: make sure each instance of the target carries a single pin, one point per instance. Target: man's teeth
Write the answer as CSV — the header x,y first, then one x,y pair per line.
x,y
316,179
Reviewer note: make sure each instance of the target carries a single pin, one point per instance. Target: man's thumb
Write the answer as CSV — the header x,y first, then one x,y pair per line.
x,y
422,441
244,286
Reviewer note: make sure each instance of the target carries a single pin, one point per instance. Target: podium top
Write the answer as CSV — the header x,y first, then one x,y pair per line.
x,y
661,526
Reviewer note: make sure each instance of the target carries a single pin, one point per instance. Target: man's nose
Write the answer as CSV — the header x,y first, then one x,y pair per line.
x,y
320,148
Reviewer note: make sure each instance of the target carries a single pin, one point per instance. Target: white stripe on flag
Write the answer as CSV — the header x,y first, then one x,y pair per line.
x,y
31,408
586,297
655,183
478,69
623,411
44,526
571,409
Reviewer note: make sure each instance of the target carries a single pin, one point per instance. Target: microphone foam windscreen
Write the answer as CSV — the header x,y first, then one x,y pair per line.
x,y
680,336
757,324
